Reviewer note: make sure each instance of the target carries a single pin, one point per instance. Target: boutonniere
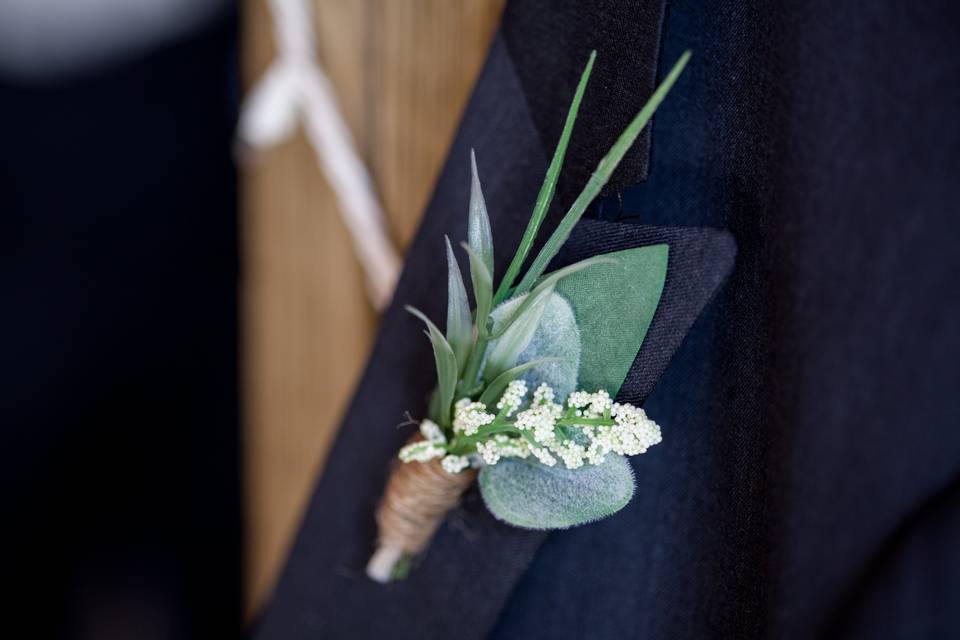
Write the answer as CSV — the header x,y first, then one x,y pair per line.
x,y
526,378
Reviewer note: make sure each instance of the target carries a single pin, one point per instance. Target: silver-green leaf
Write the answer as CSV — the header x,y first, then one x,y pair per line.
x,y
507,348
557,341
478,223
447,369
459,324
527,494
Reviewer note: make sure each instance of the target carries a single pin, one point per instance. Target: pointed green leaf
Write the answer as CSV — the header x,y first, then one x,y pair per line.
x,y
527,494
505,350
459,324
546,283
478,224
547,190
482,288
599,178
447,370
614,304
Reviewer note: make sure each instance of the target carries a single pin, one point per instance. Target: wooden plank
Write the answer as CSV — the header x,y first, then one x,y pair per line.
x,y
403,71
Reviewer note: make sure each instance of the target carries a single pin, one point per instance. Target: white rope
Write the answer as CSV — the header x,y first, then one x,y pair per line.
x,y
296,86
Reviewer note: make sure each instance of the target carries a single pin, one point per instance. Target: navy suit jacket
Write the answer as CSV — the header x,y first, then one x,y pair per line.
x,y
809,478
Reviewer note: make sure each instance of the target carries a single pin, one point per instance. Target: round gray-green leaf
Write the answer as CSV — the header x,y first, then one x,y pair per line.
x,y
527,494
556,337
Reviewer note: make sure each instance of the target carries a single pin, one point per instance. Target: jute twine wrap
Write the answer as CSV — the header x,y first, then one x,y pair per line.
x,y
417,498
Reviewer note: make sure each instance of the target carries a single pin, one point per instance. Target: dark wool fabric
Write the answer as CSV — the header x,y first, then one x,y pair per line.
x,y
808,483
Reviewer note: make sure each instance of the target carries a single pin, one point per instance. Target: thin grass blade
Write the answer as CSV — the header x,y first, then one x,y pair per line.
x,y
599,178
547,190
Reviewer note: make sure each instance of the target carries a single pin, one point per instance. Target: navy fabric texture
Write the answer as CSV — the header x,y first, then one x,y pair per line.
x,y
809,479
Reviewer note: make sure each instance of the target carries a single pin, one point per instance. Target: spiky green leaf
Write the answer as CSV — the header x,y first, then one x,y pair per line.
x,y
459,324
482,288
599,178
478,223
447,369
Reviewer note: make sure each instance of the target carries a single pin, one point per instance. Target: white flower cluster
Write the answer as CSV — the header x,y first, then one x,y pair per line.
x,y
422,451
630,433
431,447
469,416
590,405
512,398
546,430
502,446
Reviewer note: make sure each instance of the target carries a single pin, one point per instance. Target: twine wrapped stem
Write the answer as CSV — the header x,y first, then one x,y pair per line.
x,y
415,502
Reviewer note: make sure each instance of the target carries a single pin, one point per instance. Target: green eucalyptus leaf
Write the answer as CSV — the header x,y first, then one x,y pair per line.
x,y
459,324
504,352
545,196
548,282
478,223
614,304
599,178
447,370
482,288
527,494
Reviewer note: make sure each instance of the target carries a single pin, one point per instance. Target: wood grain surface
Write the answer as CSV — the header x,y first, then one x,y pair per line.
x,y
403,70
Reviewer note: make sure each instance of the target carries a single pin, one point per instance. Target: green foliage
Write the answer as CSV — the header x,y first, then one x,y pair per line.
x,y
548,282
545,197
459,322
614,304
447,370
505,350
599,178
478,223
558,338
573,323
482,288
527,494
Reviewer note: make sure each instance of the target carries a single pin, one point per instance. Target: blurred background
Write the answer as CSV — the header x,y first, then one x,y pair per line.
x,y
184,318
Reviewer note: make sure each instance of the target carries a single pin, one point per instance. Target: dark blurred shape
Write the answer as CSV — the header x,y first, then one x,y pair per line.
x,y
118,418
